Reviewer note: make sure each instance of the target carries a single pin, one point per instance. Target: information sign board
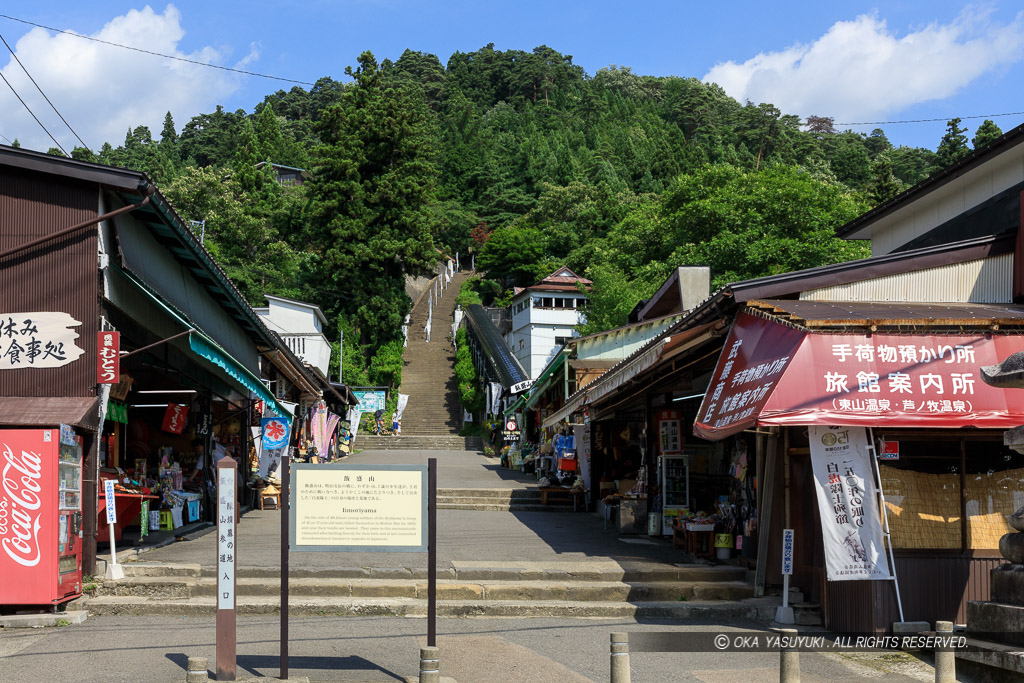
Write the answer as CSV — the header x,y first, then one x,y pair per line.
x,y
358,508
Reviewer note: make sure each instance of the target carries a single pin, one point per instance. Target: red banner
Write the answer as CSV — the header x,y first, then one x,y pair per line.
x,y
772,374
896,380
175,418
108,357
755,356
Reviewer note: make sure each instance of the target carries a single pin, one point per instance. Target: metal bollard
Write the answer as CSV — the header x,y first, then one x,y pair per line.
x,y
789,658
196,672
430,665
945,659
620,658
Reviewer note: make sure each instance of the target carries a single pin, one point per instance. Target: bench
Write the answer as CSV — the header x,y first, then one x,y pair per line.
x,y
560,494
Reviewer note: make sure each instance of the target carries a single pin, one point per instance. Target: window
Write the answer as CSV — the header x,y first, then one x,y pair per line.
x,y
522,343
561,341
923,493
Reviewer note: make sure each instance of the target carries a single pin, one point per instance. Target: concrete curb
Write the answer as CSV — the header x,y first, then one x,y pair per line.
x,y
43,620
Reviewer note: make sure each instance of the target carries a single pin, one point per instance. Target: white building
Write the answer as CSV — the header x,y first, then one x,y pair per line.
x,y
301,326
544,317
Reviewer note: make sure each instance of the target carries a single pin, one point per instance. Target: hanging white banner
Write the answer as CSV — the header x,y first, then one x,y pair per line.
x,y
353,419
495,407
403,401
848,504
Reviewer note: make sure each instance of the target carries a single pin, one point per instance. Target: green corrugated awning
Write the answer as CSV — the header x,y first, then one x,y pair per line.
x,y
208,349
517,406
544,381
212,352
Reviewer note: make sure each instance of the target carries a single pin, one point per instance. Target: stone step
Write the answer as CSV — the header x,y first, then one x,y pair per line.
x,y
577,591
418,441
758,609
506,507
478,572
502,494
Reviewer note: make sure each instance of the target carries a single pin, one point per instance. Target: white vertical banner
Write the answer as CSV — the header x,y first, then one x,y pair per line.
x,y
851,525
403,401
582,434
226,538
353,419
495,406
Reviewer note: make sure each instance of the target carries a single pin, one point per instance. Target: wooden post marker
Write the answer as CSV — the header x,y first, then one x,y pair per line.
x,y
227,504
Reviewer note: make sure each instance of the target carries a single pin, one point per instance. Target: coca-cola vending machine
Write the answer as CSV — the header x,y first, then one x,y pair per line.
x,y
40,516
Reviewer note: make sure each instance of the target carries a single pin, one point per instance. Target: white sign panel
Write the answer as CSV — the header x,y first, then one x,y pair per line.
x,y
108,492
37,340
520,387
359,507
225,538
848,504
787,551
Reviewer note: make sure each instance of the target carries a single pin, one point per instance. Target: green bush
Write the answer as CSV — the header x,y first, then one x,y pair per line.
x,y
386,365
470,396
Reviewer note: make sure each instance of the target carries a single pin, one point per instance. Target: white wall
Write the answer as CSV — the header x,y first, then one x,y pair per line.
x,y
301,329
295,317
538,326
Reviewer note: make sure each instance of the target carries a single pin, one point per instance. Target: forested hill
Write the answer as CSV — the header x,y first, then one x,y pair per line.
x,y
528,160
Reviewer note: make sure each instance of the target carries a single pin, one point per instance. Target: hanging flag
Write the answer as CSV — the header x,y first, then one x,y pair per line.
x,y
847,504
276,431
457,261
403,401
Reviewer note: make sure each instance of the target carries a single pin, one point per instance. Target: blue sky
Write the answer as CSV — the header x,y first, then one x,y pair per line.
x,y
854,61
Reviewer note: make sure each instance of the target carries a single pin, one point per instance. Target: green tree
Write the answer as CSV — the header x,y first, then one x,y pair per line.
x,y
746,225
242,239
986,133
373,186
884,185
515,255
953,145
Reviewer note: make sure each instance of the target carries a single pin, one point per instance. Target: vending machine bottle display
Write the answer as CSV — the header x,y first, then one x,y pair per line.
x,y
40,516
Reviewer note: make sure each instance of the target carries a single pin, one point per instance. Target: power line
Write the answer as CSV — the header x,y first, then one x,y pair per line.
x,y
156,54
41,91
6,138
886,123
33,114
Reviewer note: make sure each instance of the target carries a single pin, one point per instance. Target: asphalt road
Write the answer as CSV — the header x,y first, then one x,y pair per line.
x,y
151,649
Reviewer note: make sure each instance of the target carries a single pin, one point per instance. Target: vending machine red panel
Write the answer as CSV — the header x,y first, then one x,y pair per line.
x,y
28,516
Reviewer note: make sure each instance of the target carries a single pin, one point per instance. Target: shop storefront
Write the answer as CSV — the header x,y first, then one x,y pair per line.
x,y
119,325
909,375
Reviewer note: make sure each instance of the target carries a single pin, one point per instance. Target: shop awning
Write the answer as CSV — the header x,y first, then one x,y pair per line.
x,y
629,368
774,373
547,378
206,348
34,411
211,352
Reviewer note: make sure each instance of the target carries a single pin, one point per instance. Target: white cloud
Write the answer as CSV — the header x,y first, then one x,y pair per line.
x,y
860,70
104,90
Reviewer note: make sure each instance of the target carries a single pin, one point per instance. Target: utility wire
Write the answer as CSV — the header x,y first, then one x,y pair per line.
x,y
33,114
157,54
6,138
41,91
886,123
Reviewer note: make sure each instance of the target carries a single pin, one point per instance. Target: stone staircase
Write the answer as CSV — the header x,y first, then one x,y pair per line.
x,y
576,589
449,442
492,500
428,377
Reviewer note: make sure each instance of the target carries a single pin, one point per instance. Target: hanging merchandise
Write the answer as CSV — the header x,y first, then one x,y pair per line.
x,y
322,425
